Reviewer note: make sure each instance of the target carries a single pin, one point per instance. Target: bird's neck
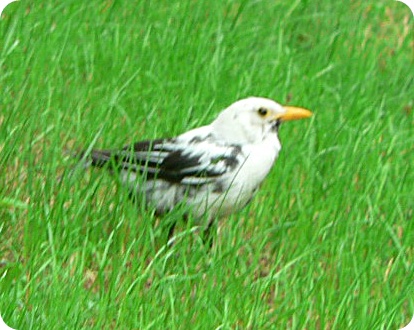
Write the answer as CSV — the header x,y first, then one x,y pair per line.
x,y
239,134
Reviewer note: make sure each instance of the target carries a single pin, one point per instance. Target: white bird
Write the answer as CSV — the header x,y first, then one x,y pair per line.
x,y
211,170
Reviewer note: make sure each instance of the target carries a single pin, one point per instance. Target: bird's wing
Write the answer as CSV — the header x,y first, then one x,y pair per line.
x,y
194,158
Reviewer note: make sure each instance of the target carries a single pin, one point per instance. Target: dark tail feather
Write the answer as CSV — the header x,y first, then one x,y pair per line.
x,y
99,158
96,158
87,158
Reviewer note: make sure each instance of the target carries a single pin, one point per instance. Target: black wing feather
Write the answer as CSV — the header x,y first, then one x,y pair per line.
x,y
163,159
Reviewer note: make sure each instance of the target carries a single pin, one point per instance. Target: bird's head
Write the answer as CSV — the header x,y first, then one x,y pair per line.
x,y
251,120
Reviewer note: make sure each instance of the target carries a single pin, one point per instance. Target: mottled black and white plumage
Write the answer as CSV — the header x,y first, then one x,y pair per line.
x,y
214,169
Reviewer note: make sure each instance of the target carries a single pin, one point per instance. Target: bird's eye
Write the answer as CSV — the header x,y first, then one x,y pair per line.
x,y
262,112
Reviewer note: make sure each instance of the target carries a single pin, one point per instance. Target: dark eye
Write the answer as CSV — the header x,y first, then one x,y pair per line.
x,y
262,112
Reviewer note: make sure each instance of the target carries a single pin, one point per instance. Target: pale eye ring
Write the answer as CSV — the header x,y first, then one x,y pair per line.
x,y
262,112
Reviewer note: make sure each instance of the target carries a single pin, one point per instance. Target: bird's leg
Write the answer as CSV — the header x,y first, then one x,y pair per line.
x,y
171,230
132,195
207,235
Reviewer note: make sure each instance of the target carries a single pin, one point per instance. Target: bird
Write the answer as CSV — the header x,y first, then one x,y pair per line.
x,y
212,171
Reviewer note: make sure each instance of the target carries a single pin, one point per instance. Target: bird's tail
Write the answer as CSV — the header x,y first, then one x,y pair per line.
x,y
86,159
94,157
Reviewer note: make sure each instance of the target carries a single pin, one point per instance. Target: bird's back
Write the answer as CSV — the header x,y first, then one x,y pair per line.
x,y
196,169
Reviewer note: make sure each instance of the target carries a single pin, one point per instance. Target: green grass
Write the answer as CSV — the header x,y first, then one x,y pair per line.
x,y
326,244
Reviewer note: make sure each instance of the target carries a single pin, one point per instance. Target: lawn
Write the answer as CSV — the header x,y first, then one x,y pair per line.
x,y
328,241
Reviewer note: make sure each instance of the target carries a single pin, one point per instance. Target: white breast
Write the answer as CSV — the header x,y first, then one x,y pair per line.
x,y
244,181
